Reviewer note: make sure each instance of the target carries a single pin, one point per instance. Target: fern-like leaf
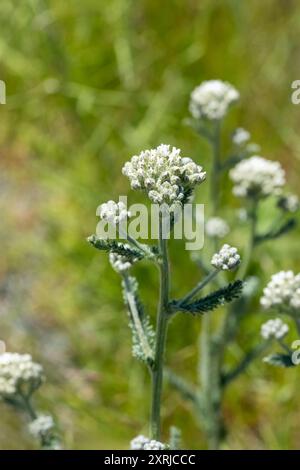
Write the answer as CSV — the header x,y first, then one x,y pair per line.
x,y
143,335
120,248
279,360
212,301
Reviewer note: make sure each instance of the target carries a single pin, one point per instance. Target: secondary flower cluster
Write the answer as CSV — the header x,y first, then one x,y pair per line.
x,y
240,136
113,212
18,373
212,99
289,203
216,227
227,258
257,177
274,329
120,263
283,292
41,426
163,174
144,443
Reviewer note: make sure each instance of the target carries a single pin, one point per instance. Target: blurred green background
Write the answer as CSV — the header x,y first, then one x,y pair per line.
x,y
88,85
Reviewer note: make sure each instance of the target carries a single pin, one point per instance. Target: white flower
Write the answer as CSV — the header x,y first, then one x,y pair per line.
x,y
163,174
138,442
121,263
257,177
289,203
212,99
240,136
144,443
227,258
18,371
216,227
113,212
283,292
154,445
274,329
40,426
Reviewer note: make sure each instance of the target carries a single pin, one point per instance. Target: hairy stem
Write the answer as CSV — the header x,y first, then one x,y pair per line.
x,y
137,321
214,182
248,256
161,333
209,362
199,286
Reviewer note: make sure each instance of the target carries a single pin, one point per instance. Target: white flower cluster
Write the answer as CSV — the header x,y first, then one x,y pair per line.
x,y
283,292
113,212
289,203
240,136
257,177
40,426
144,443
274,329
216,227
227,258
120,263
163,173
212,99
17,370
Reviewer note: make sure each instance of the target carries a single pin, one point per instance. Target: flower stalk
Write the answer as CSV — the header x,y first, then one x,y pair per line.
x,y
161,333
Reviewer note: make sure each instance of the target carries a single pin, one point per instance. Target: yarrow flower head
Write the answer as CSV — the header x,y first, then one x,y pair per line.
x,y
113,212
274,329
216,227
282,292
257,177
18,373
226,259
144,443
163,174
240,136
289,203
212,99
41,426
121,263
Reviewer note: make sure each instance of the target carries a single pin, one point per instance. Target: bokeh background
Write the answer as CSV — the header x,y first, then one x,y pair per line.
x,y
88,85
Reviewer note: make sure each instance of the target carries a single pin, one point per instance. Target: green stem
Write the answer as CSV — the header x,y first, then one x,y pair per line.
x,y
248,256
161,333
297,321
29,408
210,410
199,286
214,182
284,346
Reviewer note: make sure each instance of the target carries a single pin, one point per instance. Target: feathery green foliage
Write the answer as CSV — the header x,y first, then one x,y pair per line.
x,y
212,301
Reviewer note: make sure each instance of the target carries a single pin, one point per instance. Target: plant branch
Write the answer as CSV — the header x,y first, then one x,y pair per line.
x,y
161,333
199,287
137,321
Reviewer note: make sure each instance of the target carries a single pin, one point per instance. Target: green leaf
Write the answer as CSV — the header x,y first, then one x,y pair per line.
x,y
279,360
143,335
210,302
278,232
120,248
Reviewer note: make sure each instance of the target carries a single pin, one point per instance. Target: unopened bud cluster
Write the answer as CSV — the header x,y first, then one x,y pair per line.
x,y
18,373
144,443
163,174
274,329
226,259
